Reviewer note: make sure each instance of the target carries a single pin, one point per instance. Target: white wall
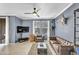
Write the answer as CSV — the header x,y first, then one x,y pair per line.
x,y
29,24
66,31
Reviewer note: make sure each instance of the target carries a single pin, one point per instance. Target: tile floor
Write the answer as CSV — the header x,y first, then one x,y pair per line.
x,y
25,48
16,49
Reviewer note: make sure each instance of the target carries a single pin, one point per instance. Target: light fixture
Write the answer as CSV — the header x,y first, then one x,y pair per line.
x,y
64,20
34,14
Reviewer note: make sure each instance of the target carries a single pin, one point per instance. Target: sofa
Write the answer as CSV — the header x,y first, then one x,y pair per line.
x,y
61,46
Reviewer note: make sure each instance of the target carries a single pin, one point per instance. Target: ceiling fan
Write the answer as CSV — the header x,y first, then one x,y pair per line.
x,y
35,12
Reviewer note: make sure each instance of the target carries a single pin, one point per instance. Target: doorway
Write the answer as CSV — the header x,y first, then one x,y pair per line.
x,y
5,28
2,30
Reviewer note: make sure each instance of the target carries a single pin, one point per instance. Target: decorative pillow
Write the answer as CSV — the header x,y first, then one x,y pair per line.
x,y
56,42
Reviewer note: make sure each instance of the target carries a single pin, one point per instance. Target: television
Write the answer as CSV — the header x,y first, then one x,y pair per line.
x,y
19,29
22,29
25,29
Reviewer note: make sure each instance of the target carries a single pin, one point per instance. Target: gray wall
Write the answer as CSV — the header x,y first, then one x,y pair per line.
x,y
13,23
18,22
12,29
66,31
27,24
52,31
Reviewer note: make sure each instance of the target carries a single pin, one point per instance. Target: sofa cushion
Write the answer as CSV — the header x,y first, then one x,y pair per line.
x,y
54,42
61,46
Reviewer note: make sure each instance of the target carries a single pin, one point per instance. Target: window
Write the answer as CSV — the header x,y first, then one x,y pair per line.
x,y
40,28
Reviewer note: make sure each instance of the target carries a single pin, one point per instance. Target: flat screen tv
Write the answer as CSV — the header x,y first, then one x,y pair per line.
x,y
25,29
19,29
22,29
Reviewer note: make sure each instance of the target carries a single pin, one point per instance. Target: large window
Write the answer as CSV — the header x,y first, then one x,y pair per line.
x,y
41,28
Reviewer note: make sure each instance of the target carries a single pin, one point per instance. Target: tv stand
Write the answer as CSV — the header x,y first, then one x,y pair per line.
x,y
23,39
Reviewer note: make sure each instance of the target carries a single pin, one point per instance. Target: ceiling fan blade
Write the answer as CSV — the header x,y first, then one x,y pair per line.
x,y
28,13
38,10
37,15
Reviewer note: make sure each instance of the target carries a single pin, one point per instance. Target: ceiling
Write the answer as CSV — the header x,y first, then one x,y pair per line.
x,y
47,10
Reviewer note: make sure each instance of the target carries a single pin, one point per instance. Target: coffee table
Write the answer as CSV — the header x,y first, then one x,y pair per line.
x,y
41,48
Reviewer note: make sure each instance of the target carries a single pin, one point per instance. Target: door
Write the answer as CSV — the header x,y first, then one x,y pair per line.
x,y
2,30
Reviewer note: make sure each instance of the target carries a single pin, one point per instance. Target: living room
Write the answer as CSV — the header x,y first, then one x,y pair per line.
x,y
42,28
